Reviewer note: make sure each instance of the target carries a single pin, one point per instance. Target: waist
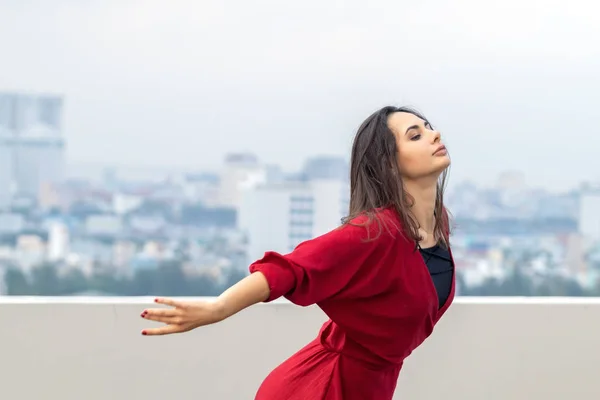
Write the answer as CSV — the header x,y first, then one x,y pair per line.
x,y
334,340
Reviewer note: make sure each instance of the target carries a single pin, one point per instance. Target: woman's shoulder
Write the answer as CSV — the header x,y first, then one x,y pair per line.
x,y
385,215
381,224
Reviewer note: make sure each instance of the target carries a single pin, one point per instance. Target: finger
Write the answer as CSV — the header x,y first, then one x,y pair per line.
x,y
163,330
161,312
165,319
169,302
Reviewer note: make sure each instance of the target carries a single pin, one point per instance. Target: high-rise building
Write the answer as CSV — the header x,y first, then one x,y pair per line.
x,y
7,183
32,148
240,172
589,213
22,113
279,216
326,167
58,241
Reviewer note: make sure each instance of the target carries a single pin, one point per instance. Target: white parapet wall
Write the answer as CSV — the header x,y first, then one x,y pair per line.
x,y
483,349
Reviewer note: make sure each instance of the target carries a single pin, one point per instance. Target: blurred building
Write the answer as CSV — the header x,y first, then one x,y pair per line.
x,y
58,241
326,167
240,172
7,182
279,216
32,148
22,112
11,223
104,225
589,212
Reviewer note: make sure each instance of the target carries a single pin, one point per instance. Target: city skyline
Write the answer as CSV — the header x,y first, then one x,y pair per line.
x,y
28,118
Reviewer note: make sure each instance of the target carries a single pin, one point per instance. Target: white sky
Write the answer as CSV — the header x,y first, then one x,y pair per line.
x,y
511,84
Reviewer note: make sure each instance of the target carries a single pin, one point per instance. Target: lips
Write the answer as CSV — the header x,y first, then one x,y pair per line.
x,y
441,148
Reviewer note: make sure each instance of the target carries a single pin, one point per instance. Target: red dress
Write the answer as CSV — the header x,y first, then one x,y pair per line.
x,y
381,302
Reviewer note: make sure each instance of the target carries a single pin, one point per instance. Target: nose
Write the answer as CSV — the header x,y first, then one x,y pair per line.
x,y
437,136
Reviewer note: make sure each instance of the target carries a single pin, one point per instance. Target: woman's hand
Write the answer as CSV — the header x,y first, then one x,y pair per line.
x,y
183,317
188,315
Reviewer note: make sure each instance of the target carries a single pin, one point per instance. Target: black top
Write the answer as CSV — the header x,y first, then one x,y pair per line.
x,y
440,267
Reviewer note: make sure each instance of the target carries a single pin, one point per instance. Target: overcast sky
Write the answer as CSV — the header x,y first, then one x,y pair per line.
x,y
512,85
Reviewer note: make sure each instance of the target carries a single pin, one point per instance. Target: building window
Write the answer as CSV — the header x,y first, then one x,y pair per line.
x,y
301,204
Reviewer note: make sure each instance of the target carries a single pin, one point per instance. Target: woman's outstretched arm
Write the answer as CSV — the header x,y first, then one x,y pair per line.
x,y
187,315
250,290
340,264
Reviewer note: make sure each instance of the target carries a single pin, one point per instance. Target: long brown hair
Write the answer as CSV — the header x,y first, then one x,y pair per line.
x,y
375,181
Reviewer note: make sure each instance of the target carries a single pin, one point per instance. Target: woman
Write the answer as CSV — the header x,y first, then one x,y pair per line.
x,y
385,277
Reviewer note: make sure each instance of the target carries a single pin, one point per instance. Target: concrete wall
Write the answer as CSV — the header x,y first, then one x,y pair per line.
x,y
483,349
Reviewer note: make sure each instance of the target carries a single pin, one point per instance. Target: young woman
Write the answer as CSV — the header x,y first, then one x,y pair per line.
x,y
384,278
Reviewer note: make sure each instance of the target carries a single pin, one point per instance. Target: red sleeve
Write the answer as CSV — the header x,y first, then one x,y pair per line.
x,y
338,262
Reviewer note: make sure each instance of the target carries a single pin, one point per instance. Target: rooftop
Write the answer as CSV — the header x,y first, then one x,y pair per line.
x,y
77,348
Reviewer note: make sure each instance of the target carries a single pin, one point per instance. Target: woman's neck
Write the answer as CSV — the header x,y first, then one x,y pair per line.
x,y
424,205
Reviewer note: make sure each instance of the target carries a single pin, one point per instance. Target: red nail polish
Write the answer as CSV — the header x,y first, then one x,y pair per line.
x,y
143,314
156,300
144,333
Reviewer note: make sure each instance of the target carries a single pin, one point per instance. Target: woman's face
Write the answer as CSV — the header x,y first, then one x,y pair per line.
x,y
421,153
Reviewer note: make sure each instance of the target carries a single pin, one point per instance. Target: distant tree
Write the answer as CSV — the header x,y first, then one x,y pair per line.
x,y
490,287
45,280
518,284
73,282
109,283
143,283
170,280
203,285
16,282
561,286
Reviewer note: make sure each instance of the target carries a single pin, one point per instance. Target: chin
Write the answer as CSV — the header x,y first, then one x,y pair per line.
x,y
442,164
430,172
